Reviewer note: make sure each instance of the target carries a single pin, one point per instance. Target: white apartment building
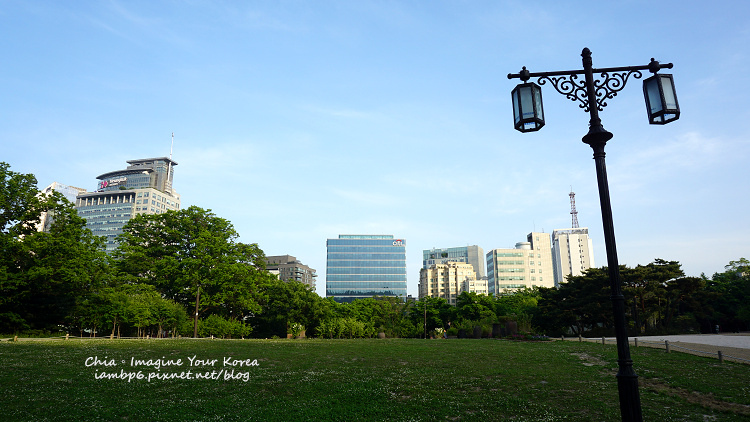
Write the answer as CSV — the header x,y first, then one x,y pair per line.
x,y
473,255
572,252
69,192
449,280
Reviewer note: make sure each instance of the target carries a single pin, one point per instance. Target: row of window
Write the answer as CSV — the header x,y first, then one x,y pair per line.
x,y
350,292
114,206
93,224
505,255
510,262
97,230
127,214
370,263
510,255
365,277
374,271
388,256
153,210
366,285
366,249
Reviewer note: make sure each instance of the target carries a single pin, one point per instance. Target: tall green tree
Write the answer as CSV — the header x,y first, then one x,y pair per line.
x,y
193,257
43,274
645,288
283,303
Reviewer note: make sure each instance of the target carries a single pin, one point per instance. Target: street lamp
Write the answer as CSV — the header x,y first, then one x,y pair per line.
x,y
662,108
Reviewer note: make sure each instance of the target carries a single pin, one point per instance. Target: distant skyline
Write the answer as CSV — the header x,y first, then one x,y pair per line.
x,y
301,121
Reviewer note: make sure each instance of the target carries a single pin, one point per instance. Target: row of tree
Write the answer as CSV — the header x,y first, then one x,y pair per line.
x,y
659,299
185,273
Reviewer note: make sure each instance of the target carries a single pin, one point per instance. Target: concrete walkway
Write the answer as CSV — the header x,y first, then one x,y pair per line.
x,y
733,346
740,340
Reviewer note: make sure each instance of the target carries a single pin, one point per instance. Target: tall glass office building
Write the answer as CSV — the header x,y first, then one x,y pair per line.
x,y
144,187
361,266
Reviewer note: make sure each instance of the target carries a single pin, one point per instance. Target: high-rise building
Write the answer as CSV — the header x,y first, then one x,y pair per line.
x,y
449,280
287,267
361,266
144,187
473,255
69,192
528,264
572,252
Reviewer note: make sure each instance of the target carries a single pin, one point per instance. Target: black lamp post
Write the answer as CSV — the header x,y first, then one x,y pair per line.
x,y
662,107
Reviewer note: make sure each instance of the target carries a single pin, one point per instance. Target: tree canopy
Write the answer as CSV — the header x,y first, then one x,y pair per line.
x,y
193,257
42,274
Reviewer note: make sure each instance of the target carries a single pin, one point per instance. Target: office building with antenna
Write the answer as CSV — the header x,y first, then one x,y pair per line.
x,y
144,187
572,249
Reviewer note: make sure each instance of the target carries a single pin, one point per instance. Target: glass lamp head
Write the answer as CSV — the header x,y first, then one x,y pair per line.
x,y
528,112
661,101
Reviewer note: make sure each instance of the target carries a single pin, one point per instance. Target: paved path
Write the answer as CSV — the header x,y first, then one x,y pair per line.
x,y
733,346
741,340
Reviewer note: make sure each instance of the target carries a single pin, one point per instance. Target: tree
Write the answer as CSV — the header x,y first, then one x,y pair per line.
x,y
435,312
43,274
475,307
581,304
193,257
645,287
686,299
729,298
21,206
520,305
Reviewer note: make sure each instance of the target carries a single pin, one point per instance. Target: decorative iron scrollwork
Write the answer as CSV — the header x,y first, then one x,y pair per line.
x,y
569,86
575,90
611,85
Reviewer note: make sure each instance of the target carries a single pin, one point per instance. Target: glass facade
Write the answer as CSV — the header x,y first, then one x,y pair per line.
x,y
360,266
105,215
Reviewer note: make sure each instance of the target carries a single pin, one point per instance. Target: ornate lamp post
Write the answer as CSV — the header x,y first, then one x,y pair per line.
x,y
662,108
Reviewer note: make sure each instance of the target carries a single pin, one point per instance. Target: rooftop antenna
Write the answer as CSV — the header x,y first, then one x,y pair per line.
x,y
573,211
169,166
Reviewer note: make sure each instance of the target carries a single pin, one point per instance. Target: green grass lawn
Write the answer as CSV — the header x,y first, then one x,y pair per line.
x,y
355,380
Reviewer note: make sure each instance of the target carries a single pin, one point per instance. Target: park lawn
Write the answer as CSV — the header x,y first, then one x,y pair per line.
x,y
361,380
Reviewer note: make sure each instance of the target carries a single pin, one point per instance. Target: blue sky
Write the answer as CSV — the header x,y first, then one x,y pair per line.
x,y
299,121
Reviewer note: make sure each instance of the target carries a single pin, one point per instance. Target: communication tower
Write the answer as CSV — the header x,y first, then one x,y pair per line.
x,y
573,211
